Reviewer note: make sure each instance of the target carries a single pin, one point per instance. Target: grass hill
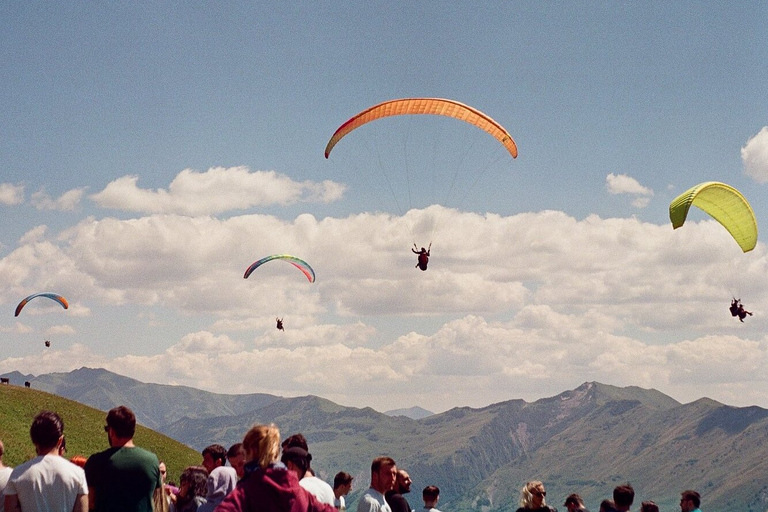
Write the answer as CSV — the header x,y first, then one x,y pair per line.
x,y
83,430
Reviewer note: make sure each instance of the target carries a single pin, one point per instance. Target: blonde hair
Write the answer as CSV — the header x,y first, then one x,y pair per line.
x,y
526,494
262,443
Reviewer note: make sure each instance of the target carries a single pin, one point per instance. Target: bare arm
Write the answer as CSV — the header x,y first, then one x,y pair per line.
x,y
81,503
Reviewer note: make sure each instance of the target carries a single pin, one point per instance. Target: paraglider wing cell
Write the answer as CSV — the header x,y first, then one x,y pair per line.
x,y
53,296
723,203
431,106
293,260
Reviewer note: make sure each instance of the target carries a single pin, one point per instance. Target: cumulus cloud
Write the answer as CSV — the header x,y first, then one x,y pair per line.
x,y
11,194
623,184
754,155
511,306
67,202
217,190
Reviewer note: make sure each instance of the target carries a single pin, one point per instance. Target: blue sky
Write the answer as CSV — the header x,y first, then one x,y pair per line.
x,y
150,152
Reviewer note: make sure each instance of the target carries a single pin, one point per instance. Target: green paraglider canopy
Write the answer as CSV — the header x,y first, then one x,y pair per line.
x,y
723,203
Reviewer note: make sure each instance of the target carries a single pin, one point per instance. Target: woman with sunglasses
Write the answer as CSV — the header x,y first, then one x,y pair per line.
x,y
533,498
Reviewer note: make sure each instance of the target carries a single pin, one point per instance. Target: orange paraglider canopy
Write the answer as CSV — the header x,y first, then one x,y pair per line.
x,y
431,106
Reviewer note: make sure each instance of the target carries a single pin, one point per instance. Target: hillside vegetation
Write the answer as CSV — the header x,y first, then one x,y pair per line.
x,y
83,430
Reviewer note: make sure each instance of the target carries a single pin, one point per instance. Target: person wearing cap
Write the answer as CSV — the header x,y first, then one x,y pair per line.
x,y
297,458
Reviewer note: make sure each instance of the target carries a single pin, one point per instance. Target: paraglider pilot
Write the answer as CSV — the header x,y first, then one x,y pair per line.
x,y
279,324
423,256
47,343
737,309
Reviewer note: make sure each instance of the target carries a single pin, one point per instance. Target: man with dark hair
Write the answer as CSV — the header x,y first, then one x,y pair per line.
x,y
430,495
574,503
221,480
236,458
214,456
690,501
297,458
383,476
623,496
49,482
342,485
394,496
124,477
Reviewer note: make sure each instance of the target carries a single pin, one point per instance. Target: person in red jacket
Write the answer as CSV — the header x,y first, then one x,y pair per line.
x,y
268,486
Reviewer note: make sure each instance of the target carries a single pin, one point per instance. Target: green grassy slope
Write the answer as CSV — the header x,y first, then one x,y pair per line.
x,y
83,429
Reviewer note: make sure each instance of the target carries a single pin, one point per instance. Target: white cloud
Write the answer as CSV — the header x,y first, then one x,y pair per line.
x,y
11,194
215,191
754,155
623,184
60,329
516,306
67,202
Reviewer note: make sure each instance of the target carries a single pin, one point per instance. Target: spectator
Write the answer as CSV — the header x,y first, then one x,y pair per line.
x,y
342,485
533,497
297,458
430,495
236,458
574,503
690,501
124,477
394,496
49,482
268,486
192,490
383,476
623,496
649,506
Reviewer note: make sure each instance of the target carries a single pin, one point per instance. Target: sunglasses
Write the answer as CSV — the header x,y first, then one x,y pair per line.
x,y
539,493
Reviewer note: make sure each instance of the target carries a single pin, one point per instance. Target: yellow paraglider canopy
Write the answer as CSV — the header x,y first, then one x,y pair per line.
x,y
723,203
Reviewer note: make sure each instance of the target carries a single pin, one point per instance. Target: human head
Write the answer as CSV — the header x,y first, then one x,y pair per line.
x,y
193,482
533,495
236,458
383,474
689,500
649,506
262,444
122,422
403,482
46,431
430,495
297,440
342,483
573,502
606,506
623,496
214,456
163,471
297,459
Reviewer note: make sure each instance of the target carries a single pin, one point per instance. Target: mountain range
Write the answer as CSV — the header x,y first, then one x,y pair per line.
x,y
586,440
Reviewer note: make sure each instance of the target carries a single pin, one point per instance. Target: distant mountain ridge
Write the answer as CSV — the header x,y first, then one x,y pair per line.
x,y
585,440
415,413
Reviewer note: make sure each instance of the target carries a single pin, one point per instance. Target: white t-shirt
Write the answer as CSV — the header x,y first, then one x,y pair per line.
x,y
340,504
5,474
319,489
47,483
